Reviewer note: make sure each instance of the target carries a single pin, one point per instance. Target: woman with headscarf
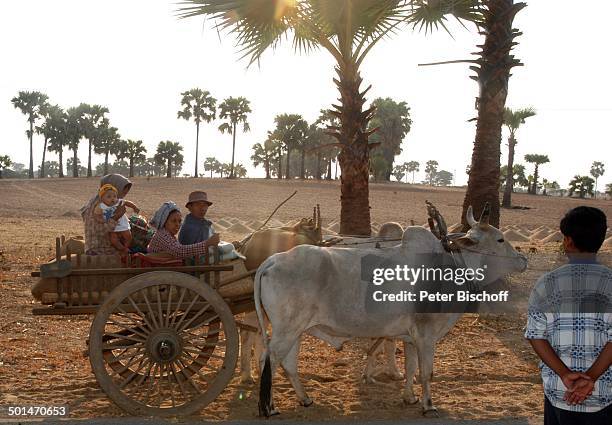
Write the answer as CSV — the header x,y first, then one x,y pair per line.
x,y
167,221
97,240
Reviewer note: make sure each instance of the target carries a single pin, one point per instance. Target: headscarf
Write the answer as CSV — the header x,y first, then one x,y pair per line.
x,y
117,180
105,188
161,215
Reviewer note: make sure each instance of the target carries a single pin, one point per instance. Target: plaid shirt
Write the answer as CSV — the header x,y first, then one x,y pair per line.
x,y
578,337
97,239
163,241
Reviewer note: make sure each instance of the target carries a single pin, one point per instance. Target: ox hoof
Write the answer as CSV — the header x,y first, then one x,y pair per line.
x,y
410,399
432,412
247,380
307,402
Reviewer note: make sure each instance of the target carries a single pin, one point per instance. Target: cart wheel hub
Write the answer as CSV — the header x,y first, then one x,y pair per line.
x,y
164,345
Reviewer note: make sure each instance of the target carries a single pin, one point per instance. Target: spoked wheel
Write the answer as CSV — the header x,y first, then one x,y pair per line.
x,y
163,344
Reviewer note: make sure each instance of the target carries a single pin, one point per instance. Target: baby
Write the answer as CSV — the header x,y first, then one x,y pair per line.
x,y
120,237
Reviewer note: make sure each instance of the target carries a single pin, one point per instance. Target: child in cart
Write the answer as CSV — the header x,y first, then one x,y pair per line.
x,y
120,237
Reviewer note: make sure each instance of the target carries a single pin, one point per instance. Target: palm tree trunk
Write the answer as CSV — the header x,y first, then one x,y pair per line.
x,y
75,168
318,166
493,72
89,161
106,163
280,164
354,157
169,168
211,171
197,146
131,166
61,163
267,164
31,134
507,200
42,165
288,164
231,176
303,158
329,170
534,189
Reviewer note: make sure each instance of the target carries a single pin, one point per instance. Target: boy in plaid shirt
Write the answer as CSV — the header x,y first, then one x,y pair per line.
x,y
570,326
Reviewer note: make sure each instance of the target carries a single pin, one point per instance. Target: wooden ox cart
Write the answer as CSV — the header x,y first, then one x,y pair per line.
x,y
164,340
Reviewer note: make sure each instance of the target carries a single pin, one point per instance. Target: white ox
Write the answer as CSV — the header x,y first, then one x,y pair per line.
x,y
319,291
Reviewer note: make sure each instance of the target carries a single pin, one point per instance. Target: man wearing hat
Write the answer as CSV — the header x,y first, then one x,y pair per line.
x,y
196,228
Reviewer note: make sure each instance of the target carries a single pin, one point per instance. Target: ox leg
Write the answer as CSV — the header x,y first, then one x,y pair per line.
x,y
426,358
368,374
390,363
289,364
247,341
410,367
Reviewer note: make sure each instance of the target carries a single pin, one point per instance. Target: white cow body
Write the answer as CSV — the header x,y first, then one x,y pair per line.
x,y
319,291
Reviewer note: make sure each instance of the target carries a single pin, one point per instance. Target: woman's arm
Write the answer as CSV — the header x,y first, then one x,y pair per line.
x,y
164,242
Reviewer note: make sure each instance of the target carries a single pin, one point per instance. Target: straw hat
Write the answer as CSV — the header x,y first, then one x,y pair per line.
x,y
197,196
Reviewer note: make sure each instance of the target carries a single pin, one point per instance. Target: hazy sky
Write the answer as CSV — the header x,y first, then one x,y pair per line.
x,y
136,57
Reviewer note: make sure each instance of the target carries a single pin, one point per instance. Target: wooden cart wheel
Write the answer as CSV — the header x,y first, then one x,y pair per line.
x,y
163,344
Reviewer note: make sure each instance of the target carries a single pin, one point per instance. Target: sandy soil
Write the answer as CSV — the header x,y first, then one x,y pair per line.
x,y
484,369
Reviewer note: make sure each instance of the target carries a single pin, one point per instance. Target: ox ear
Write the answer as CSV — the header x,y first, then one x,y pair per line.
x,y
469,216
484,216
466,240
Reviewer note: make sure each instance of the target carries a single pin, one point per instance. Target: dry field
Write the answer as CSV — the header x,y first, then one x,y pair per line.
x,y
483,369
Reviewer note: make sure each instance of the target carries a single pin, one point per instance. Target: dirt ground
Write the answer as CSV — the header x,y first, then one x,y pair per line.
x,y
483,369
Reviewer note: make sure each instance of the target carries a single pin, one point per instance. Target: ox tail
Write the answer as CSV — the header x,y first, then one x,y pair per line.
x,y
265,385
265,388
257,298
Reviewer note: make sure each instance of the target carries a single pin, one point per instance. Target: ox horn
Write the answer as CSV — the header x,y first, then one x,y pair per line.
x,y
484,216
469,216
318,222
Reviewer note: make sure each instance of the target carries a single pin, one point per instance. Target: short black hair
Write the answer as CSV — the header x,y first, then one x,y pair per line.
x,y
586,226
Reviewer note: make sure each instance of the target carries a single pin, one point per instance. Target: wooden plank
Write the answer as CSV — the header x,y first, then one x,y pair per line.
x,y
140,270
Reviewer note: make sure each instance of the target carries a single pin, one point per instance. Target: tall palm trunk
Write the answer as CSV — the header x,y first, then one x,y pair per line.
x,y
231,176
507,200
75,167
169,168
197,146
288,164
534,188
354,157
89,161
42,165
267,164
131,166
302,160
493,72
61,163
106,163
31,135
319,166
280,163
329,168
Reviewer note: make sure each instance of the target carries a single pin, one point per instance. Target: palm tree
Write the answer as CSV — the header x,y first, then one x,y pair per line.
x,y
609,189
200,105
393,122
328,121
431,168
597,170
240,171
582,185
74,132
53,123
538,160
169,153
211,164
492,69
94,125
56,125
291,131
234,110
348,30
411,167
132,150
262,155
5,162
399,171
513,120
107,142
32,104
